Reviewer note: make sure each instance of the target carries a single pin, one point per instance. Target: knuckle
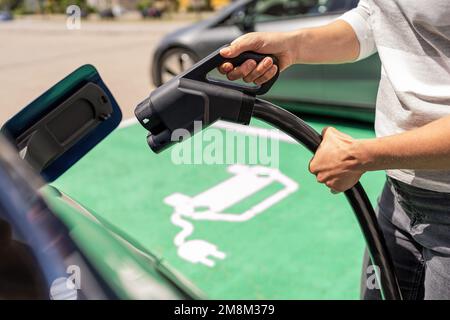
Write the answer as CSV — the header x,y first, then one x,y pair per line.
x,y
262,79
248,77
246,36
249,66
321,179
257,41
328,130
267,76
312,167
251,76
230,76
273,71
262,68
259,73
259,81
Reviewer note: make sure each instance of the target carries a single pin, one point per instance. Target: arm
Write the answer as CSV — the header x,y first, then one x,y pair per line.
x,y
341,160
427,147
333,43
347,39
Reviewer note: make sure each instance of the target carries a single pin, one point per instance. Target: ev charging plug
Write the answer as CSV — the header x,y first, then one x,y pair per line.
x,y
193,96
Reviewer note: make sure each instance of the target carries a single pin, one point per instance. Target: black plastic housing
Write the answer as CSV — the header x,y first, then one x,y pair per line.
x,y
192,96
181,102
60,129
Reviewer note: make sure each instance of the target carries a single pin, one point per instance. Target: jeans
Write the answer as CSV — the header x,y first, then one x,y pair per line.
x,y
416,226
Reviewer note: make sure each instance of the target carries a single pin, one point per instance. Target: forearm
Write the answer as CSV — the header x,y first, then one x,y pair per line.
x,y
332,43
427,147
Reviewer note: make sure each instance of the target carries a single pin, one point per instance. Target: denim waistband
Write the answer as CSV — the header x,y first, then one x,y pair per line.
x,y
405,188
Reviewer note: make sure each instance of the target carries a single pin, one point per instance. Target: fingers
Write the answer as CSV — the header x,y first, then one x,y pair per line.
x,y
336,132
336,172
260,70
314,164
225,68
312,167
328,181
242,71
326,130
249,71
267,76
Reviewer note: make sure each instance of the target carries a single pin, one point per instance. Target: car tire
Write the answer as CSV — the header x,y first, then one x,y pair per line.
x,y
173,62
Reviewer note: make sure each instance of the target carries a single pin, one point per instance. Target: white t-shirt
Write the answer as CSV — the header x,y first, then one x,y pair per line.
x,y
413,41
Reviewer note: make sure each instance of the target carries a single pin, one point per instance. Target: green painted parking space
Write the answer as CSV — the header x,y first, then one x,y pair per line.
x,y
302,243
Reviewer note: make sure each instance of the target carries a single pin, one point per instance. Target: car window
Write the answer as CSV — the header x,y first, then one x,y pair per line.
x,y
266,10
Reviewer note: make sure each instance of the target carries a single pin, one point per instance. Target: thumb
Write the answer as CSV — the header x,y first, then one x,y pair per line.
x,y
238,46
327,130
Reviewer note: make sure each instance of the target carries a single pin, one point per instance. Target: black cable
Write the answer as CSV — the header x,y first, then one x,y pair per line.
x,y
356,196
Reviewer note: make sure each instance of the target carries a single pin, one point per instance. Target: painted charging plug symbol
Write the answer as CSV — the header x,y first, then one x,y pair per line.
x,y
212,204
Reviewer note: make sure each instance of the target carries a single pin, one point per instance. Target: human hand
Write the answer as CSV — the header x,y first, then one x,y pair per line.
x,y
338,161
274,43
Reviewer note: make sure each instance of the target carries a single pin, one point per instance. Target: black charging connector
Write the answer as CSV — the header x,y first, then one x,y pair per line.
x,y
192,96
184,101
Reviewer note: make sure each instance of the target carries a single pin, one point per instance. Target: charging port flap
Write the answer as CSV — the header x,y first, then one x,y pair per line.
x,y
63,131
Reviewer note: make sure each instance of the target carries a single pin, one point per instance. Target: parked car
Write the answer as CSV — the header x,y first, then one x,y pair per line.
x,y
301,87
112,12
6,16
151,12
106,14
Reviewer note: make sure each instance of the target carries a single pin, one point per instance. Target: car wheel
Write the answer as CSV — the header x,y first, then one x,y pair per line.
x,y
173,62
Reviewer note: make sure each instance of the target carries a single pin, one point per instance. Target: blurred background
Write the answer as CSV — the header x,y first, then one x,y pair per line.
x,y
117,37
139,44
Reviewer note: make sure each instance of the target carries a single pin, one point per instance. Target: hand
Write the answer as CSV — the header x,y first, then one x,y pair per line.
x,y
338,161
274,43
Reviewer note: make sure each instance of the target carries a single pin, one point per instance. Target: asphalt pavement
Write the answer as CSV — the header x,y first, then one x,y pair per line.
x,y
35,53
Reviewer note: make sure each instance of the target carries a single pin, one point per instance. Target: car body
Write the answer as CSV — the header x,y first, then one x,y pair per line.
x,y
50,245
46,237
350,86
